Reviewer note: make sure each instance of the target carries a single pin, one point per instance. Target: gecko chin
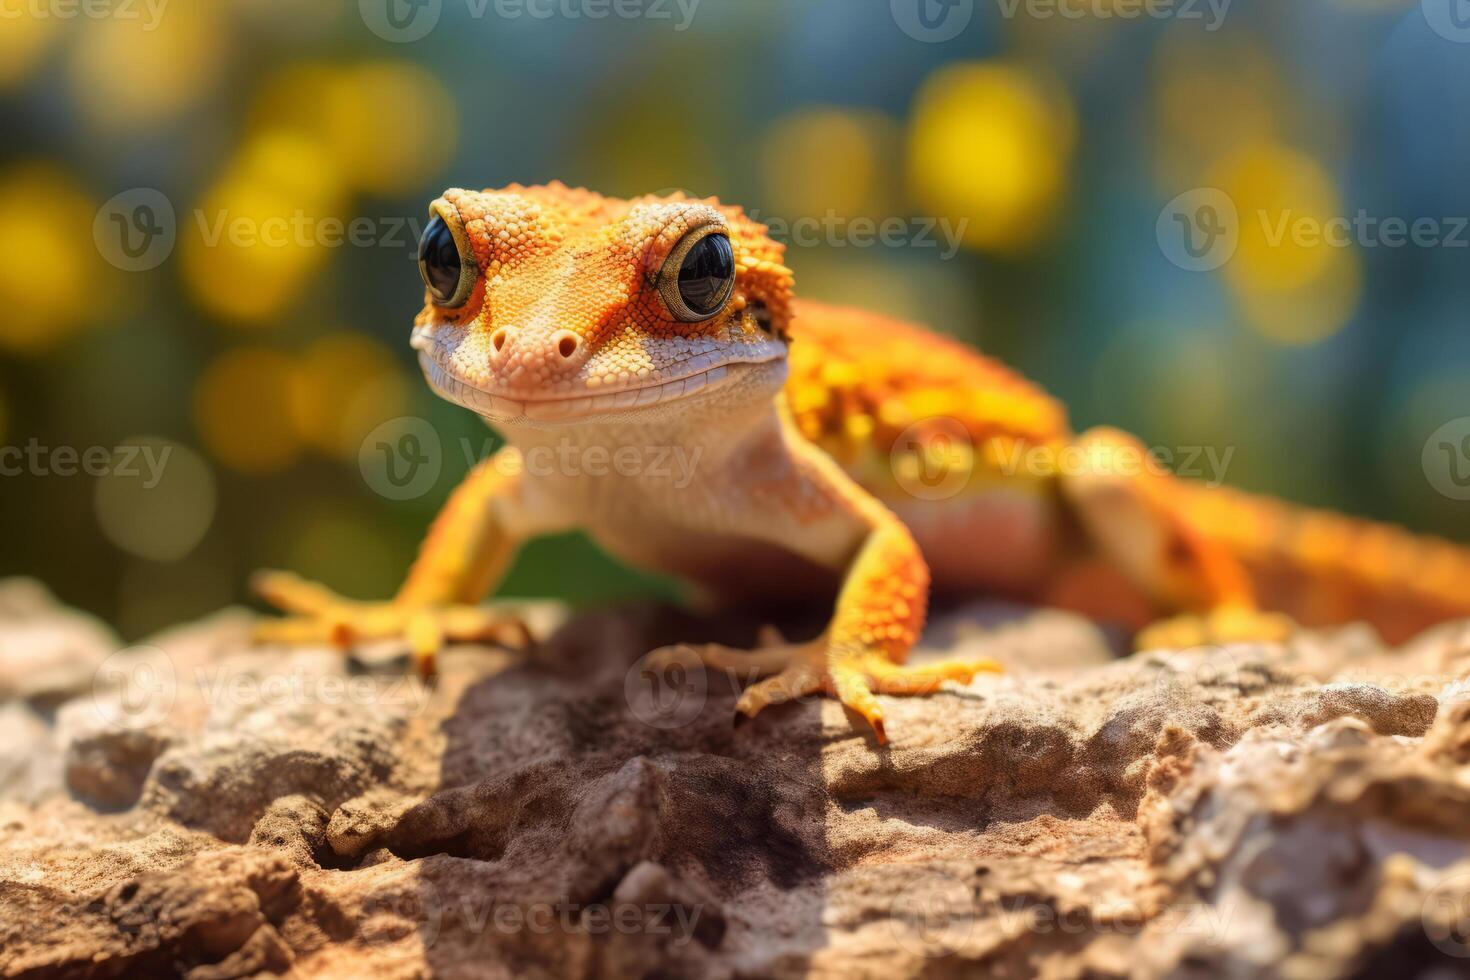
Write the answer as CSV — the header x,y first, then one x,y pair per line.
x,y
730,383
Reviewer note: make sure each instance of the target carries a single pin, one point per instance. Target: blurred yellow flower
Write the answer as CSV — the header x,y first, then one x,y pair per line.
x,y
24,39
830,159
242,409
134,71
1296,271
263,231
52,278
990,147
345,386
389,126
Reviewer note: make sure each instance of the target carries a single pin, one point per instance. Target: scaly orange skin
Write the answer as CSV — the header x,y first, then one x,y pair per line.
x,y
839,448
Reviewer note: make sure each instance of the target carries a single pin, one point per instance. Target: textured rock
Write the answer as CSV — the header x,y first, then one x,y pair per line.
x,y
192,807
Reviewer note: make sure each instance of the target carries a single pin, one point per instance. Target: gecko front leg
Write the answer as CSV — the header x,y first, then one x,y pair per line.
x,y
462,559
878,618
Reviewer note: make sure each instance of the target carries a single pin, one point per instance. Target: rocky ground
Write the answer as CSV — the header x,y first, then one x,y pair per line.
x,y
193,807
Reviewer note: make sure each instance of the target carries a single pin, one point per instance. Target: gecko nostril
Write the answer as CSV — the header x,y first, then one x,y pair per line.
x,y
498,340
567,344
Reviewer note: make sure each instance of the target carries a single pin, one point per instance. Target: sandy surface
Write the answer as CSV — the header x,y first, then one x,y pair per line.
x,y
193,807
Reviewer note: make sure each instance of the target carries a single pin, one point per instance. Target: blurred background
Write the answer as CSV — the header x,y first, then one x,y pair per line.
x,y
209,213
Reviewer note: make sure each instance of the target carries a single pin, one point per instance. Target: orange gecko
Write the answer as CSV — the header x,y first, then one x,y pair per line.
x,y
833,452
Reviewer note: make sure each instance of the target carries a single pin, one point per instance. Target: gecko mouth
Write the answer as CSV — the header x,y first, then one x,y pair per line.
x,y
506,409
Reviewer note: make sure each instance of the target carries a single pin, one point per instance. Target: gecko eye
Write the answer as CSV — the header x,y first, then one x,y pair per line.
x,y
445,263
699,275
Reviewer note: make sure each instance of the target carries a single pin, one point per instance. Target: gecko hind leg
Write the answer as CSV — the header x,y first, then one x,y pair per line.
x,y
1133,517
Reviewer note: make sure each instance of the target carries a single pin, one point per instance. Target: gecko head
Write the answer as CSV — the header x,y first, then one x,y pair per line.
x,y
551,305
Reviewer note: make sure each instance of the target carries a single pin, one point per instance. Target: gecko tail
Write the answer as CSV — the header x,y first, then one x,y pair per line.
x,y
1323,568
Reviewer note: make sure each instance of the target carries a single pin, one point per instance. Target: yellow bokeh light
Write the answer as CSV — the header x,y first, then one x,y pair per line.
x,y
1309,314
389,126
158,502
1296,270
140,70
24,39
52,279
262,232
990,146
821,160
242,408
1280,195
344,387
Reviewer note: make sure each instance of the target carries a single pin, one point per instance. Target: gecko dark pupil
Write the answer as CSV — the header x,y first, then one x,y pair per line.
x,y
439,261
705,274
